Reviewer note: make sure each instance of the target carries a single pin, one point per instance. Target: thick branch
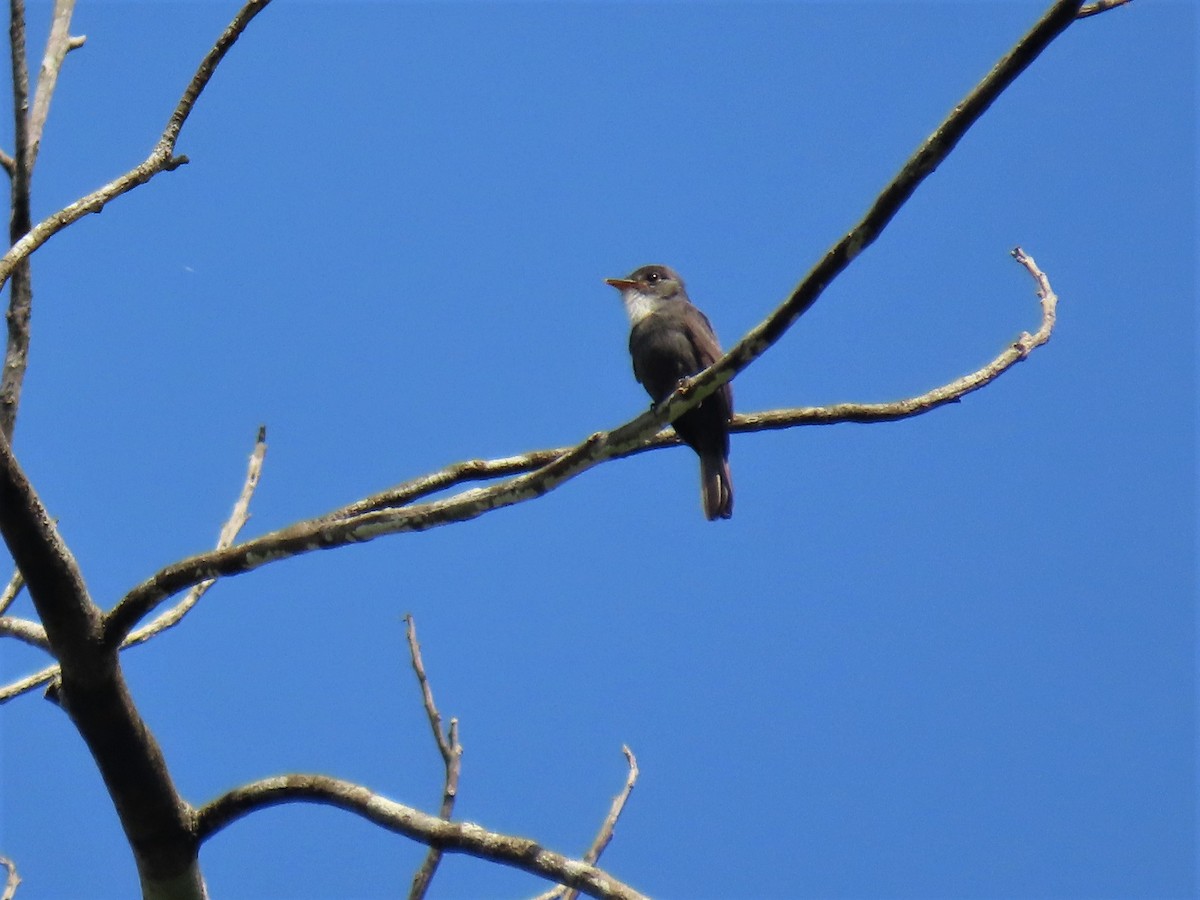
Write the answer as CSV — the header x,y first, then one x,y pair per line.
x,y
93,691
55,584
156,820
170,618
452,837
28,129
16,354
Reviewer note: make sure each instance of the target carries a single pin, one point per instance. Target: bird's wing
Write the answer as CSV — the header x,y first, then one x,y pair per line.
x,y
707,351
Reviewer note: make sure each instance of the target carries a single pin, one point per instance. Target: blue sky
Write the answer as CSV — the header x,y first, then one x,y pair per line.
x,y
947,657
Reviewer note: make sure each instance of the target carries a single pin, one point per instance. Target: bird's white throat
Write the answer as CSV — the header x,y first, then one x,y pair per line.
x,y
639,305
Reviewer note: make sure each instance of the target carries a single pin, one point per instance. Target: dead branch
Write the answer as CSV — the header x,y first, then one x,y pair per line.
x,y
11,591
170,618
1094,9
451,751
535,474
605,835
28,127
25,631
12,881
161,159
229,532
452,837
242,557
157,821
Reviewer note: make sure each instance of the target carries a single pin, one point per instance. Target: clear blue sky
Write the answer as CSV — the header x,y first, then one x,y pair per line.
x,y
947,657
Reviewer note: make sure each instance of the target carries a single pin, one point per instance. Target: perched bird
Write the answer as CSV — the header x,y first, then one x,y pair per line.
x,y
670,340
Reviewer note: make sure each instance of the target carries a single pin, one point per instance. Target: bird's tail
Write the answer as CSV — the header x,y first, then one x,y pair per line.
x,y
716,487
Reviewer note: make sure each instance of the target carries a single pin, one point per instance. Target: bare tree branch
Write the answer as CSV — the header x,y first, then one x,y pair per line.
x,y
12,881
605,834
27,130
20,301
478,470
58,44
451,750
542,471
229,532
170,618
28,683
157,821
26,631
93,690
11,591
161,159
52,576
452,837
1094,9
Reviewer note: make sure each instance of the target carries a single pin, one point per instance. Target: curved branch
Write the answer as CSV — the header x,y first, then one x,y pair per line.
x,y
323,533
12,882
453,837
919,166
248,556
25,631
537,473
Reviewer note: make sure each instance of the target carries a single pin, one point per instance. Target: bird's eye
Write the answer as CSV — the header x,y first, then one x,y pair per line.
x,y
653,277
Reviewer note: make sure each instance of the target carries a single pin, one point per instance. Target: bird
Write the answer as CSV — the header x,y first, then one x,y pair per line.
x,y
669,340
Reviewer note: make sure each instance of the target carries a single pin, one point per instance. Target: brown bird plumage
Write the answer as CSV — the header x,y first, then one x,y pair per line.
x,y
671,339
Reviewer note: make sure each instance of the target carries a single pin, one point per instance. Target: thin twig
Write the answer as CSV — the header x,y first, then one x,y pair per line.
x,y
229,532
12,881
7,163
1094,9
58,44
12,591
605,835
451,751
453,837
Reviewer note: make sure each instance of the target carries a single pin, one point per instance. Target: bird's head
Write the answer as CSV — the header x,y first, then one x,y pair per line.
x,y
645,289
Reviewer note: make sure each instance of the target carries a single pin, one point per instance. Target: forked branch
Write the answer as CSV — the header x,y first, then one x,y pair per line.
x,y
339,530
451,751
453,837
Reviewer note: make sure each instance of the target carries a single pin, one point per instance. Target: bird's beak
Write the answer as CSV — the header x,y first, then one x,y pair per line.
x,y
621,284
